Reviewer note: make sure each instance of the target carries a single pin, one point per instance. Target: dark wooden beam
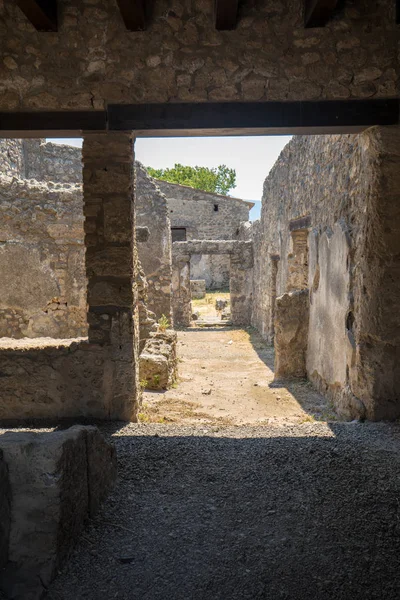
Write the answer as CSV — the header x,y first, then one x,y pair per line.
x,y
51,123
218,118
318,12
226,14
133,13
247,118
41,13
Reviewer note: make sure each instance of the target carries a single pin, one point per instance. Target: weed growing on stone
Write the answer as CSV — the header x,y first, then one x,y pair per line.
x,y
163,323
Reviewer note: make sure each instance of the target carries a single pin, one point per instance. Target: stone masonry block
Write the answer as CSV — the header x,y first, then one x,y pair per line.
x,y
291,334
114,293
113,261
198,288
117,221
158,362
57,480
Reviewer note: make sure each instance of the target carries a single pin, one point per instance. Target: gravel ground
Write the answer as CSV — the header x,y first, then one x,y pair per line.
x,y
295,512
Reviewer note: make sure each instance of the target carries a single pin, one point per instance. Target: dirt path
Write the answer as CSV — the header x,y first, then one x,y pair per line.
x,y
225,378
298,512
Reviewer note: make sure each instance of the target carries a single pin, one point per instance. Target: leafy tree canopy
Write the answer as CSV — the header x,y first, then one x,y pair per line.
x,y
220,179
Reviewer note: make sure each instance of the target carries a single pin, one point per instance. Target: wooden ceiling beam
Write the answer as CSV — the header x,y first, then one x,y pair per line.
x,y
41,13
133,13
318,12
226,14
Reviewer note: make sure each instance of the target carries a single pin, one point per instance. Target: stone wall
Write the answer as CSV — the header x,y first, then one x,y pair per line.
x,y
48,378
42,274
155,253
40,160
195,210
55,379
181,57
338,190
56,480
12,158
45,161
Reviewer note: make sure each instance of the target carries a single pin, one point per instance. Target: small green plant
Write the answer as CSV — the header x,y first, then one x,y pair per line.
x,y
143,418
156,379
163,323
307,419
143,384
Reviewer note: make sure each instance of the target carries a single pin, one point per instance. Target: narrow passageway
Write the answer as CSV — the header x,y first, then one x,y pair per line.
x,y
226,377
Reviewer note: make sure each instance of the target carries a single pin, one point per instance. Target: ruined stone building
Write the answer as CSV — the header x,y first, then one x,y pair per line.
x,y
108,73
199,215
42,241
319,273
329,236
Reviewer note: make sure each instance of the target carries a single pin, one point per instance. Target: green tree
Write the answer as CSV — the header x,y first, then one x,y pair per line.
x,y
220,179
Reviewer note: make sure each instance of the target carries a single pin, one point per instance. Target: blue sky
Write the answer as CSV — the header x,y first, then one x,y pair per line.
x,y
251,156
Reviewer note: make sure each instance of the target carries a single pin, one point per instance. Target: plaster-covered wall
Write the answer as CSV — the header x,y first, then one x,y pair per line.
x,y
343,188
93,59
195,210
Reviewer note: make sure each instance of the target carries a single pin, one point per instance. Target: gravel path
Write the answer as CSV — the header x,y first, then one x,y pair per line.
x,y
299,512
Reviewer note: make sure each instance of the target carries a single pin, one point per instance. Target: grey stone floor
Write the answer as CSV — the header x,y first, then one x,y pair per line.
x,y
299,512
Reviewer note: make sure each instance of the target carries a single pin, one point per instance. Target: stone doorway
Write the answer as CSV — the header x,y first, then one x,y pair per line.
x,y
240,255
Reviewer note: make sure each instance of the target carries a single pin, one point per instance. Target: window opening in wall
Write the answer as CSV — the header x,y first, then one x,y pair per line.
x,y
178,234
216,208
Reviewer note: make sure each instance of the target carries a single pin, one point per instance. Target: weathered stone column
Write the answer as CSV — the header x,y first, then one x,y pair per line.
x,y
181,294
108,185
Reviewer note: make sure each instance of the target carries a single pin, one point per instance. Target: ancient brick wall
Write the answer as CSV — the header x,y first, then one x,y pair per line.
x,y
93,59
206,216
333,187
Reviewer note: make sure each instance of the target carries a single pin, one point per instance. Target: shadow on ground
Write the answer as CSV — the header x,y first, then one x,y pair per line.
x,y
251,513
